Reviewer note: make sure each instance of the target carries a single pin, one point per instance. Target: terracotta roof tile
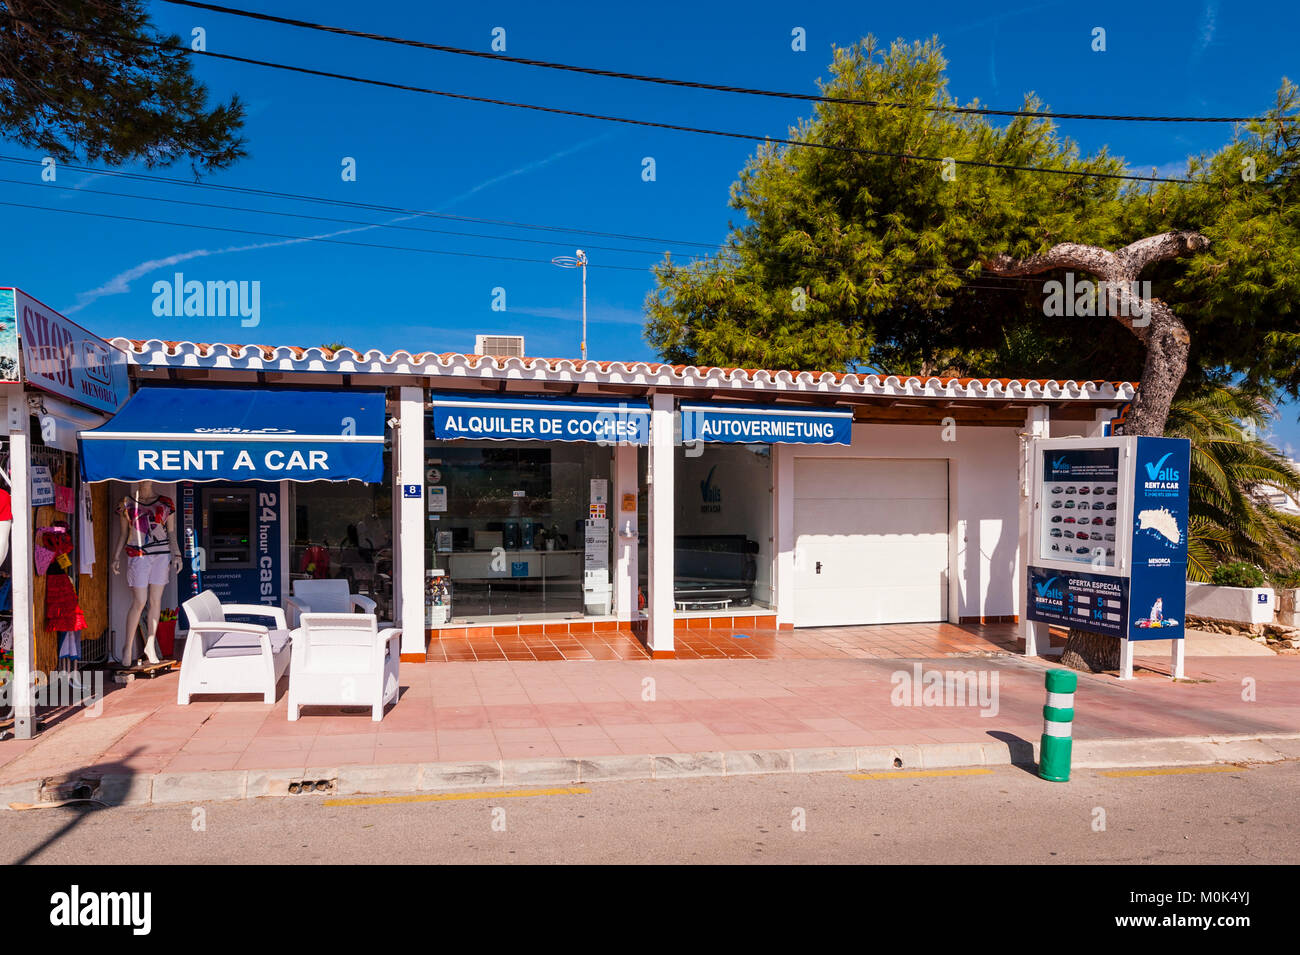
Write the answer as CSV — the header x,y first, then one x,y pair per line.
x,y
268,352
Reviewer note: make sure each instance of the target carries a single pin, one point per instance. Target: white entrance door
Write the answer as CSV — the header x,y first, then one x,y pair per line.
x,y
871,541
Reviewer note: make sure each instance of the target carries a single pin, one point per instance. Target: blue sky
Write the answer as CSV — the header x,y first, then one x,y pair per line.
x,y
427,153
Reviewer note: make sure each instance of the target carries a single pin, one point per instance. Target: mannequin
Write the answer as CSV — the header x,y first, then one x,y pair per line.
x,y
147,532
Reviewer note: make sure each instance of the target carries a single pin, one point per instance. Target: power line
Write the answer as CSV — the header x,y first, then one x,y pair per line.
x,y
677,127
347,203
297,215
555,110
694,84
792,258
718,249
303,238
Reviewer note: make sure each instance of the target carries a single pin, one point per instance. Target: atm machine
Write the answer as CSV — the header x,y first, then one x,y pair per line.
x,y
235,534
227,532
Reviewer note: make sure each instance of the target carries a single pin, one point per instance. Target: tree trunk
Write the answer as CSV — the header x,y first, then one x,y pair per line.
x,y
1167,345
1094,652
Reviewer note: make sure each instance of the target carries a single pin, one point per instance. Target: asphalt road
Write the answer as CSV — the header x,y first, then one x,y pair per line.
x,y
1229,815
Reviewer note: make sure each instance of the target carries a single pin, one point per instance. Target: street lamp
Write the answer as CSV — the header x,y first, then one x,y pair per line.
x,y
578,261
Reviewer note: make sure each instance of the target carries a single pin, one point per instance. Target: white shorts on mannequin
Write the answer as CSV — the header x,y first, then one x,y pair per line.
x,y
148,570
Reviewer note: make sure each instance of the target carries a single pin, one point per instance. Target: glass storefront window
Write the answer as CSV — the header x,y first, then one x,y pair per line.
x,y
345,530
722,549
507,533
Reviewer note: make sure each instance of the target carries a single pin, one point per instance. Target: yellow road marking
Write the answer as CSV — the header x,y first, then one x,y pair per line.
x,y
1180,771
447,797
901,774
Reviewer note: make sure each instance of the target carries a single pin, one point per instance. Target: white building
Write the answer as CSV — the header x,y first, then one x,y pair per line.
x,y
556,492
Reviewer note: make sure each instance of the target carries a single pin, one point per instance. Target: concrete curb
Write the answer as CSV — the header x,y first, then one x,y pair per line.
x,y
179,788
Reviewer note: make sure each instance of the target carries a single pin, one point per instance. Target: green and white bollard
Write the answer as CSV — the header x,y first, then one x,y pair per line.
x,y
1058,718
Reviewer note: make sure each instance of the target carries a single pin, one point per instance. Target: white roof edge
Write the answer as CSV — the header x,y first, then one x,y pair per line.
x,y
157,354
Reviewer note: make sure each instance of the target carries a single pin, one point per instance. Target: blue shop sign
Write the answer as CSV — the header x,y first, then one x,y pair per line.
x,y
494,418
1158,591
766,424
240,434
1094,602
1139,487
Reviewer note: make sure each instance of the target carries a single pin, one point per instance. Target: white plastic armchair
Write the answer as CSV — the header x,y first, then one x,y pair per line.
x,y
342,659
324,596
222,656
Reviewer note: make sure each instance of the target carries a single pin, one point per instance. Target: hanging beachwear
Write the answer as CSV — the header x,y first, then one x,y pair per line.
x,y
62,610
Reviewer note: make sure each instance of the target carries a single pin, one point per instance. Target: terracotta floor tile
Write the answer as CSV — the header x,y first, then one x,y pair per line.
x,y
202,762
528,750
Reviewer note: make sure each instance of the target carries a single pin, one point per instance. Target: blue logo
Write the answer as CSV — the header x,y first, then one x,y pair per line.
x,y
1047,591
1158,471
1058,464
710,493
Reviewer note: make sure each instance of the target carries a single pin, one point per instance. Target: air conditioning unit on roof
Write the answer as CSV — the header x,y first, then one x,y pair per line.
x,y
499,345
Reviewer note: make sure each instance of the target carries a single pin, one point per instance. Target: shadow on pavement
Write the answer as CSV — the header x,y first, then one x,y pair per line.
x,y
1022,751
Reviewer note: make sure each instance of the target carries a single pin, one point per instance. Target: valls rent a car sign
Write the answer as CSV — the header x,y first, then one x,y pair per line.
x,y
1110,536
1159,583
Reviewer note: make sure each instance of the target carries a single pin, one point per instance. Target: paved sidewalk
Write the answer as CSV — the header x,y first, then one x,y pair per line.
x,y
467,712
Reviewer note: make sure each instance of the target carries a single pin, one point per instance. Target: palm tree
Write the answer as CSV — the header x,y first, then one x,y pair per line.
x,y
1229,518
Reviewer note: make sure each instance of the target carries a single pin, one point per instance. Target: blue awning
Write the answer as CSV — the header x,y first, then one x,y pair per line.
x,y
501,418
240,434
766,424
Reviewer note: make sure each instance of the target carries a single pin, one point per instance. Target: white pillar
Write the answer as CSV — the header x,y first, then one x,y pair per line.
x,y
659,478
1101,418
408,563
783,506
626,569
1037,425
1176,657
21,551
1126,659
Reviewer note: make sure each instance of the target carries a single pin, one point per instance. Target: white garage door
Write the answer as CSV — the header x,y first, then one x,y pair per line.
x,y
871,541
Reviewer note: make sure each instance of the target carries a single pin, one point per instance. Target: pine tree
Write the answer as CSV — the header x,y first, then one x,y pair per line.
x,y
91,79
